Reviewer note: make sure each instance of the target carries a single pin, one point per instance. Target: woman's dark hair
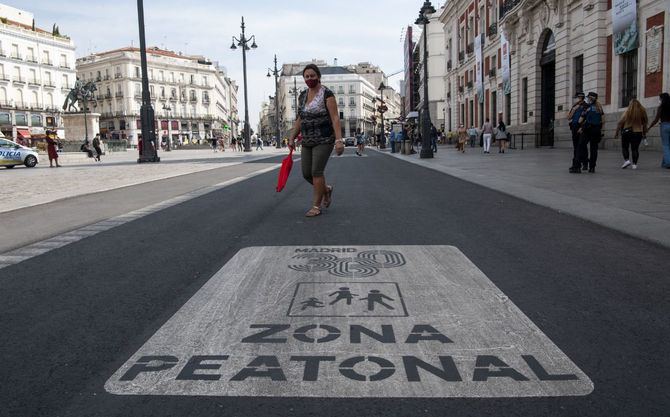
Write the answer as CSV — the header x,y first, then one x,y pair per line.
x,y
313,68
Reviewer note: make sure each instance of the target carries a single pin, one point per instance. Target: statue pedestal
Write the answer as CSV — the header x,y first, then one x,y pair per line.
x,y
75,130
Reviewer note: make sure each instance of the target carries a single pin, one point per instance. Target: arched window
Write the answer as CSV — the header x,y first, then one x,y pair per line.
x,y
548,49
3,95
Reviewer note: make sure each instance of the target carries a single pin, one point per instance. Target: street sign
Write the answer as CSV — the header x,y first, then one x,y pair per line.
x,y
350,321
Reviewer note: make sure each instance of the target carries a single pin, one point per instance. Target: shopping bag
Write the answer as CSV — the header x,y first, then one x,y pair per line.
x,y
285,171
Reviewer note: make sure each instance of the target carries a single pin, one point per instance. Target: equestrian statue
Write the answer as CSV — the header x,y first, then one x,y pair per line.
x,y
81,94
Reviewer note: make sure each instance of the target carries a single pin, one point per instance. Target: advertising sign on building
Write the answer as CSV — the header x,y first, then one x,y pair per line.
x,y
478,60
624,25
504,47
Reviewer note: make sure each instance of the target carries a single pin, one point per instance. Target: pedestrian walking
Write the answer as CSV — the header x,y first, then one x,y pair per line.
x,y
462,138
319,123
590,128
97,147
472,135
501,136
233,144
663,116
487,132
259,143
240,144
633,127
213,141
433,138
578,161
52,151
360,144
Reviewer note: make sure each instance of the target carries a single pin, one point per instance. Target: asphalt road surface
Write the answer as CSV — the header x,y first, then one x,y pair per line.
x,y
71,318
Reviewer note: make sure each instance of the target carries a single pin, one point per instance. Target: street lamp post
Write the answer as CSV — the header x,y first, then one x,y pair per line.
x,y
382,109
295,92
426,148
243,42
276,72
147,117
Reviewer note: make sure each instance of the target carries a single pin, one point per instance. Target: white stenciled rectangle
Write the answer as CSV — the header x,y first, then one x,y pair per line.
x,y
383,321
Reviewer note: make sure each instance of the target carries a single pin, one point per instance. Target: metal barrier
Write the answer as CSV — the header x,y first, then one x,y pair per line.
x,y
108,146
524,139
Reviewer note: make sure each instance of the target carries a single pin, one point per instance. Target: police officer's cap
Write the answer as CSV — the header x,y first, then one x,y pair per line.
x,y
592,94
579,95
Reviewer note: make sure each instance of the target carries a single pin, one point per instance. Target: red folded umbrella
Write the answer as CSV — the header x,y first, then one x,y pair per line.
x,y
285,170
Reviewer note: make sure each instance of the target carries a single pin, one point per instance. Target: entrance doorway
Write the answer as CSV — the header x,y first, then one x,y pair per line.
x,y
547,89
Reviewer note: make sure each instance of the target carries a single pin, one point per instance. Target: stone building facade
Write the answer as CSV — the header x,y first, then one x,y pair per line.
x,y
36,74
557,47
193,99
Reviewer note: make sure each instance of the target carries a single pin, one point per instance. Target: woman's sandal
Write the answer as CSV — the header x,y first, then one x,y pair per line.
x,y
329,196
313,212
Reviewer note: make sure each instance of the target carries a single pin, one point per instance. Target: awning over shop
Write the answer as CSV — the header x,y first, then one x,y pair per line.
x,y
23,133
413,114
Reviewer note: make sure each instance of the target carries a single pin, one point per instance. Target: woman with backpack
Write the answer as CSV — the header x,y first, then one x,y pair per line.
x,y
319,123
633,127
663,115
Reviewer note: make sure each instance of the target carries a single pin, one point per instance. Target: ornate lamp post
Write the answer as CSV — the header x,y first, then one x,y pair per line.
x,y
382,109
147,117
276,72
243,41
426,148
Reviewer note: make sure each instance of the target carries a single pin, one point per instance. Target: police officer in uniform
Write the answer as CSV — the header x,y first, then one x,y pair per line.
x,y
573,120
590,128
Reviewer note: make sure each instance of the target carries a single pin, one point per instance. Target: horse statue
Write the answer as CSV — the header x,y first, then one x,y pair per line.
x,y
80,94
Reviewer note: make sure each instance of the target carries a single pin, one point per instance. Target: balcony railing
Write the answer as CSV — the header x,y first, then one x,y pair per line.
x,y
461,56
19,80
3,77
183,99
21,105
449,65
460,88
32,59
64,65
5,104
3,53
470,48
108,95
469,85
118,75
173,98
47,62
193,99
507,6
492,72
493,29
34,81
66,88
49,84
138,95
105,77
119,93
16,56
205,101
36,106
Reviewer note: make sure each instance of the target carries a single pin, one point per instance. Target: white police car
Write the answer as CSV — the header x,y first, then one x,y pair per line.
x,y
12,154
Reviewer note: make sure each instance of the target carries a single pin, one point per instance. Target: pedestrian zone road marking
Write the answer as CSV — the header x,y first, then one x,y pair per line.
x,y
382,321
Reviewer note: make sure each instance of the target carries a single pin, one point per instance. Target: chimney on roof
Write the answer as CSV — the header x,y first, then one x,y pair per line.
x,y
335,62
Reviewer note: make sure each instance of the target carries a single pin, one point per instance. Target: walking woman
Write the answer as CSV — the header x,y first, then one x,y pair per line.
x,y
633,127
501,136
663,115
487,132
319,123
52,142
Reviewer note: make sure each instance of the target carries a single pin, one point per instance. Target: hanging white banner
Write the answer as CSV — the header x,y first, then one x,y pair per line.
x,y
504,48
624,25
478,59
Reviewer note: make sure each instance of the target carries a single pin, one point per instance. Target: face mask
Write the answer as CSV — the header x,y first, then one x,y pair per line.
x,y
588,100
311,83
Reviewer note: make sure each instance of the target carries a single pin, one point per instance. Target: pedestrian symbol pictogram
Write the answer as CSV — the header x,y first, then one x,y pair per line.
x,y
347,299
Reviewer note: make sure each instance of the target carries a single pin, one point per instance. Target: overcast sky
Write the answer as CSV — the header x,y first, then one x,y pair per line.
x,y
350,30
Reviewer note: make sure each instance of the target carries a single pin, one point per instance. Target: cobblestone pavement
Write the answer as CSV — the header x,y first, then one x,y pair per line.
x,y
25,187
635,202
